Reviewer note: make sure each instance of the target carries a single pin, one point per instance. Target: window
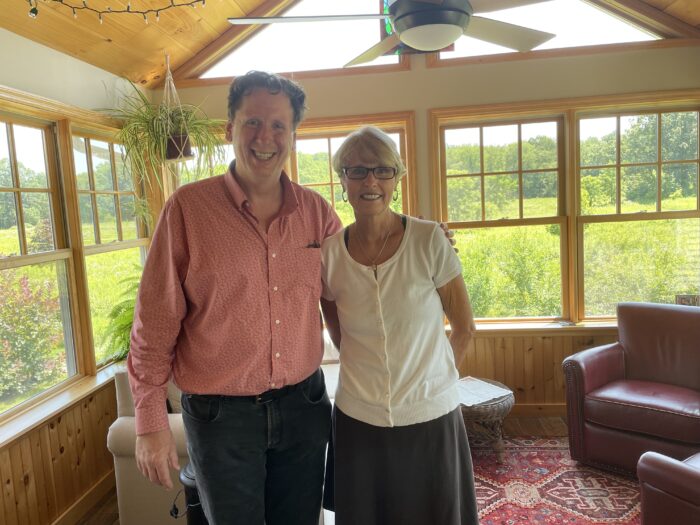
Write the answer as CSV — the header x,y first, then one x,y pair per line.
x,y
318,140
638,195
569,20
555,232
187,171
503,197
113,229
308,46
36,334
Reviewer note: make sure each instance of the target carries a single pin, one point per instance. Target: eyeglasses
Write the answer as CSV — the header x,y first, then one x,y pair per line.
x,y
360,172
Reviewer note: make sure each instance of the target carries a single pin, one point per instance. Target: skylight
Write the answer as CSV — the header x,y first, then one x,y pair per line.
x,y
309,46
574,22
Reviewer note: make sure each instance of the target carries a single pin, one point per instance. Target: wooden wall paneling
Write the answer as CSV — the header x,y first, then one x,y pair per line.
x,y
58,461
29,480
538,365
87,458
107,414
18,482
8,488
529,369
499,359
93,430
509,360
38,462
2,503
563,350
78,474
49,472
518,387
548,369
68,464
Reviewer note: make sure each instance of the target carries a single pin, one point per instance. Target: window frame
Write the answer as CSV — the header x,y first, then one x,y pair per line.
x,y
62,252
559,219
571,110
60,121
402,123
619,216
142,241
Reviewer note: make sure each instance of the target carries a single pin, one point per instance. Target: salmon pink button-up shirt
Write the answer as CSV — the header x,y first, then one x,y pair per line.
x,y
224,306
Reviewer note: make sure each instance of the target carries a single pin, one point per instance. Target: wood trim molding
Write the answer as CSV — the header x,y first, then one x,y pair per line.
x,y
582,105
16,101
403,65
649,17
88,500
434,60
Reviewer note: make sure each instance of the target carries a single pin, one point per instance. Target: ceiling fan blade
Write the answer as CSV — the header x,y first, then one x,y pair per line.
x,y
504,34
376,50
320,18
487,6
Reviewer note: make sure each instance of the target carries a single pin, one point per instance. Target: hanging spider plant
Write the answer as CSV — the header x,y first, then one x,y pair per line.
x,y
148,129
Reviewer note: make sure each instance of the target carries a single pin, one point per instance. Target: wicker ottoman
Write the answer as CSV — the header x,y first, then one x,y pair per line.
x,y
485,420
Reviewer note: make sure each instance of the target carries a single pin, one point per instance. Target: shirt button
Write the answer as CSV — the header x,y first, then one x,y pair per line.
x,y
272,385
274,255
274,288
277,321
277,354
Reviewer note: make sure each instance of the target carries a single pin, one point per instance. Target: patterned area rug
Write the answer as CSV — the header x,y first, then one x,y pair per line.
x,y
539,483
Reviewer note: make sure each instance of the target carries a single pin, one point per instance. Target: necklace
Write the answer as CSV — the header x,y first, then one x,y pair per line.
x,y
373,262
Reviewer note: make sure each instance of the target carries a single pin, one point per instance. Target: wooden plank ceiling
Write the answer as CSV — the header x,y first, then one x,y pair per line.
x,y
195,38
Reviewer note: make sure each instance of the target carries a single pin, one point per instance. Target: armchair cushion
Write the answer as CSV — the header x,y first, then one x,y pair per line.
x,y
656,409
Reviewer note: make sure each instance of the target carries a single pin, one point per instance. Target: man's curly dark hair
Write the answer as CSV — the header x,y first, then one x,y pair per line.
x,y
244,85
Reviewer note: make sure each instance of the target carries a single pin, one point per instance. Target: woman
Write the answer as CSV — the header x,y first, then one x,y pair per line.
x,y
401,450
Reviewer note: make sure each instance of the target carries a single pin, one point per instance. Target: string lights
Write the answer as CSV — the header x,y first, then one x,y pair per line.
x,y
101,14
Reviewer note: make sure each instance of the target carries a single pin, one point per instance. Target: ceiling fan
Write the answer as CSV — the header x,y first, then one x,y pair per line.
x,y
431,25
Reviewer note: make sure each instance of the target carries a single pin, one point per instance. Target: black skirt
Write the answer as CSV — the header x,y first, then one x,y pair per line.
x,y
410,475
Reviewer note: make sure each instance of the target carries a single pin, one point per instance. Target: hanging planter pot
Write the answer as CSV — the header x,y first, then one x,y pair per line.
x,y
179,148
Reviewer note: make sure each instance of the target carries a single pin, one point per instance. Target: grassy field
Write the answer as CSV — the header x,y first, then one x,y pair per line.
x,y
510,272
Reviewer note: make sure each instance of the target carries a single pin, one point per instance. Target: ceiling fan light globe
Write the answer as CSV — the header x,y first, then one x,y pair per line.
x,y
431,37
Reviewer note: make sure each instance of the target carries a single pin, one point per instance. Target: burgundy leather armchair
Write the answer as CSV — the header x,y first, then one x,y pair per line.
x,y
670,489
639,394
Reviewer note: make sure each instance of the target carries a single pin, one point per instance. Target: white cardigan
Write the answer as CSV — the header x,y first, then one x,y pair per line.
x,y
396,363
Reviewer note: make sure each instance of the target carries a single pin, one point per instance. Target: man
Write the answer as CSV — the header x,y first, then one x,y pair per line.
x,y
228,306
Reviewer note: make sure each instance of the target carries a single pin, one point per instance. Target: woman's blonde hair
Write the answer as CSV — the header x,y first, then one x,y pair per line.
x,y
372,141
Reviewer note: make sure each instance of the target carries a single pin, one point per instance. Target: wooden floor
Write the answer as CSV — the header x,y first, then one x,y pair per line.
x,y
105,513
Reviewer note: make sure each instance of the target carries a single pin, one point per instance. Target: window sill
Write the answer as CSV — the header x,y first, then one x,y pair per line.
x,y
547,328
37,414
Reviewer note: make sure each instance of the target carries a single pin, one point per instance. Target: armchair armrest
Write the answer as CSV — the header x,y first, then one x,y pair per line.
x,y
671,476
121,438
583,372
596,367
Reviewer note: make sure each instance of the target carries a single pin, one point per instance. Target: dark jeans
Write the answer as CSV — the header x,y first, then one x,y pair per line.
x,y
260,461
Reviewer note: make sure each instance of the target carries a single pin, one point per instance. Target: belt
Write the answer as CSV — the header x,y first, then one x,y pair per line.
x,y
267,396
271,395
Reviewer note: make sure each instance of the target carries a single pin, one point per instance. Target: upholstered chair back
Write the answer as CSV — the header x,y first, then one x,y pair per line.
x,y
661,343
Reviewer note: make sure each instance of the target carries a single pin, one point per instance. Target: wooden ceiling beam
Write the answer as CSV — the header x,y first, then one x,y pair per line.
x,y
234,35
649,17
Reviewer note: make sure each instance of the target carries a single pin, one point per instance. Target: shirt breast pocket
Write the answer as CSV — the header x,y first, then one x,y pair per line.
x,y
306,265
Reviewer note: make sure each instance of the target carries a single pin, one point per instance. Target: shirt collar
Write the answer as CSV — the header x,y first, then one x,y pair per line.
x,y
289,202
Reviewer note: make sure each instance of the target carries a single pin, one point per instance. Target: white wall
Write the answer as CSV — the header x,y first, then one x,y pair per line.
x,y
421,88
37,69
